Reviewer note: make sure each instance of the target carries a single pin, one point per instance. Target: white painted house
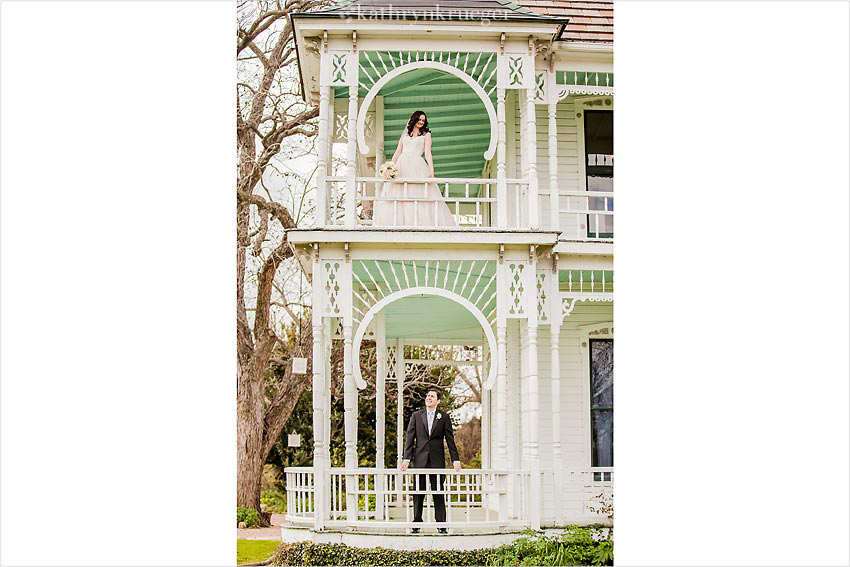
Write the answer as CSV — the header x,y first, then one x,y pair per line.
x,y
521,110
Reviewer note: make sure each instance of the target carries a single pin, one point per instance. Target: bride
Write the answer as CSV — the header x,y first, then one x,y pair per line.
x,y
421,204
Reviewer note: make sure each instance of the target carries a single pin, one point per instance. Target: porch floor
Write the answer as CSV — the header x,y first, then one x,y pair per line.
x,y
427,539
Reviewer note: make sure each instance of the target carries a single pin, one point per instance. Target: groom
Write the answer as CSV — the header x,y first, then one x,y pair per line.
x,y
425,433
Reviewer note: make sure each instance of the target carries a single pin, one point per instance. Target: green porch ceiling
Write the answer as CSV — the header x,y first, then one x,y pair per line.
x,y
430,317
456,116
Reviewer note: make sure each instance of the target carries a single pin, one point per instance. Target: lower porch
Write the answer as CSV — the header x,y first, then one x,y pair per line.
x,y
478,501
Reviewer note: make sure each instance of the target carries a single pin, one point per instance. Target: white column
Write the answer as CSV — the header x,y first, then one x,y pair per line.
x,y
351,156
322,171
557,464
513,159
513,395
501,173
502,397
331,133
380,389
379,132
327,330
380,410
500,359
400,425
554,196
532,397
399,374
533,426
525,430
350,405
522,213
486,415
319,464
531,142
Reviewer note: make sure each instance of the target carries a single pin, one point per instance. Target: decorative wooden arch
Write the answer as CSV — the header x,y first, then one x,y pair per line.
x,y
459,299
373,92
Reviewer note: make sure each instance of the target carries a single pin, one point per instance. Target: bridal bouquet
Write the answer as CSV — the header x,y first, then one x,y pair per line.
x,y
388,170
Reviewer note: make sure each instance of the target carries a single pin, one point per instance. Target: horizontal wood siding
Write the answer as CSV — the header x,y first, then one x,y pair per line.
x,y
568,171
573,405
574,435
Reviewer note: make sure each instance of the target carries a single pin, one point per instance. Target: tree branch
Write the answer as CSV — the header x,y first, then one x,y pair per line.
x,y
277,210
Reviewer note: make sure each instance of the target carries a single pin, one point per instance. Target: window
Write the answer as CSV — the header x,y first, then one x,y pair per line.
x,y
599,168
602,402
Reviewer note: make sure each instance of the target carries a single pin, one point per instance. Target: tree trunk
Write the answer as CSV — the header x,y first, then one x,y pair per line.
x,y
249,438
258,423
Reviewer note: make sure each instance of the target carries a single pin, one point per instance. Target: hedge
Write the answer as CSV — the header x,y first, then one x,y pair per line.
x,y
308,553
534,550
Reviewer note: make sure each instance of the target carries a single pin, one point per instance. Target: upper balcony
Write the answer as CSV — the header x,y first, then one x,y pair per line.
x,y
522,140
475,204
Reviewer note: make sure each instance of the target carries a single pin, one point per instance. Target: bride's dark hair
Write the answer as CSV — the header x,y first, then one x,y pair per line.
x,y
414,118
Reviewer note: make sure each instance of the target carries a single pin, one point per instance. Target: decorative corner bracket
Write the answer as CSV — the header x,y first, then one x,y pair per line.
x,y
568,303
347,253
501,253
502,44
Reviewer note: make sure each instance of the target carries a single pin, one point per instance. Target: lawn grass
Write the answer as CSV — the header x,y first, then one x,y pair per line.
x,y
254,550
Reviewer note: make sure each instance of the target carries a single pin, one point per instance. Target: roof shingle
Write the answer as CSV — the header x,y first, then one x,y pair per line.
x,y
591,21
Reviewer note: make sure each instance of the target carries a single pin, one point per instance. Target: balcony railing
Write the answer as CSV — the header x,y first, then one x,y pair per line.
x,y
383,498
590,215
472,202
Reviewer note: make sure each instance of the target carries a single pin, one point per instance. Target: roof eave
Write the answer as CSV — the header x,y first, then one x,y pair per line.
x,y
295,33
519,19
574,45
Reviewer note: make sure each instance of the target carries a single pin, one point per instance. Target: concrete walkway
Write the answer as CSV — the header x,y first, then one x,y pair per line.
x,y
263,533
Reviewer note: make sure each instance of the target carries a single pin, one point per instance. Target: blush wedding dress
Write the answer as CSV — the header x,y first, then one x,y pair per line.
x,y
429,209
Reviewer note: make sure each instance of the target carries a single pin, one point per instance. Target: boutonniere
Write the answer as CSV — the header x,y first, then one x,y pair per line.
x,y
439,415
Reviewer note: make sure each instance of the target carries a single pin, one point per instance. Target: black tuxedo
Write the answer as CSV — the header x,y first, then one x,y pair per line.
x,y
425,450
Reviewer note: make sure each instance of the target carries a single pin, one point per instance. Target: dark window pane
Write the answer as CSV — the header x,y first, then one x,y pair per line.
x,y
602,373
602,402
599,132
599,166
602,448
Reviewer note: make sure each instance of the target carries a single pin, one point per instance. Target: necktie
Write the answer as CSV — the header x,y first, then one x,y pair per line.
x,y
430,421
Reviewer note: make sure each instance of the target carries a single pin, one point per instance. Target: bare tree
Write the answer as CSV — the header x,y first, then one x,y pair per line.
x,y
273,124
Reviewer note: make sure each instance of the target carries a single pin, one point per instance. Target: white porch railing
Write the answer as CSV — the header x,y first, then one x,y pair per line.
x,y
596,482
586,489
474,204
593,212
472,201
300,494
383,498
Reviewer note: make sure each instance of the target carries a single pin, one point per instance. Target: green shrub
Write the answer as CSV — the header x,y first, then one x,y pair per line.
x,y
575,546
248,515
307,553
604,553
274,501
